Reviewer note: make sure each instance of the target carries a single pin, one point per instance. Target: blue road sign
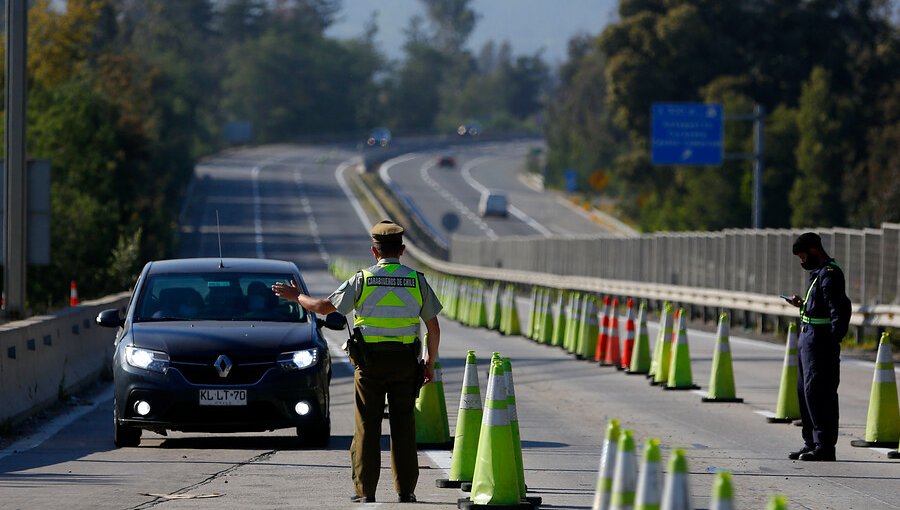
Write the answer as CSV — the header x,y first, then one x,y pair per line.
x,y
571,180
687,134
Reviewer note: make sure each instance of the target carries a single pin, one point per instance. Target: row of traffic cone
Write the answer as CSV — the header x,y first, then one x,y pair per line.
x,y
621,485
577,329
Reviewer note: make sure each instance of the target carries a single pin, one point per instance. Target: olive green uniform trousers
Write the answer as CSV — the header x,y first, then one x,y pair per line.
x,y
390,370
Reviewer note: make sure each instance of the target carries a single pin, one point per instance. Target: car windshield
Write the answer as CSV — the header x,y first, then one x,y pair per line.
x,y
217,297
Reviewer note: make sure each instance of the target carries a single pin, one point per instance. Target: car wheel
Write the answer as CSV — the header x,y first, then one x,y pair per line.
x,y
123,435
318,435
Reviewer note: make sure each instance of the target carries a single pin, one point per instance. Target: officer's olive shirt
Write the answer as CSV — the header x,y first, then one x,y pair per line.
x,y
344,298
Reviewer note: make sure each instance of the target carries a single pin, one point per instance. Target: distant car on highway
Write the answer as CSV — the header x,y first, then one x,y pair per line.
x,y
446,161
380,137
206,346
492,204
471,128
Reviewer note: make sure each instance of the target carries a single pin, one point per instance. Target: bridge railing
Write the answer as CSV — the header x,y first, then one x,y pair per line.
x,y
748,261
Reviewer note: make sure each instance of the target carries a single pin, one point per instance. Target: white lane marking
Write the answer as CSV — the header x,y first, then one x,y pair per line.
x,y
342,182
767,414
515,211
441,459
461,207
57,424
257,214
384,171
310,217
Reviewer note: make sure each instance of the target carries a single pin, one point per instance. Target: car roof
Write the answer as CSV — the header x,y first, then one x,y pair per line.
x,y
211,265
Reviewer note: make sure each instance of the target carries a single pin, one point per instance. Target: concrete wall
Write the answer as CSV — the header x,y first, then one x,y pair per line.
x,y
45,356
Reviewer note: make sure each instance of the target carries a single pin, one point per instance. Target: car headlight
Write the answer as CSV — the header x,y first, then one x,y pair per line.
x,y
299,359
146,359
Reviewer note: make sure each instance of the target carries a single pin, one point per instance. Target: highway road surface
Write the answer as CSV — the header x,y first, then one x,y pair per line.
x,y
290,202
439,191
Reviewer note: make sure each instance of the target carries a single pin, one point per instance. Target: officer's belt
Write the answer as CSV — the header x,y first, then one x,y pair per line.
x,y
815,321
387,346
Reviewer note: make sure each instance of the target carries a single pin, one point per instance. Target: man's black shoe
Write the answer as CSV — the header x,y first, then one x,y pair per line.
x,y
407,498
796,455
362,499
818,455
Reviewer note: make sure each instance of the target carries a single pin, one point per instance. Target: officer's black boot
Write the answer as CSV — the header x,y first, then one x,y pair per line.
x,y
818,455
796,455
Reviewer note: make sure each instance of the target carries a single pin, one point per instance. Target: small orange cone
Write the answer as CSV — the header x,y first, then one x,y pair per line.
x,y
628,347
613,348
600,352
73,294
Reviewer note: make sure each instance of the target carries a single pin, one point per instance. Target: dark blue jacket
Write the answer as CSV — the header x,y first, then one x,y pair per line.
x,y
829,298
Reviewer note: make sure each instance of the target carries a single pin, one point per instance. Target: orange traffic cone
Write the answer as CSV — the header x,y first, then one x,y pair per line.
x,y
613,349
73,294
628,347
602,339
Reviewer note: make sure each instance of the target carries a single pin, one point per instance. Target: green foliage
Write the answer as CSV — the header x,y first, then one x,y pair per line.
x,y
825,72
125,95
820,156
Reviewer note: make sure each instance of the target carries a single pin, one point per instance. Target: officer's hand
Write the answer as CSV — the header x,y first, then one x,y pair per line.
x,y
795,300
285,291
429,372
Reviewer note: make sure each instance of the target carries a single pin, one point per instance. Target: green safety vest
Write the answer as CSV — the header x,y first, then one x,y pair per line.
x,y
816,321
388,307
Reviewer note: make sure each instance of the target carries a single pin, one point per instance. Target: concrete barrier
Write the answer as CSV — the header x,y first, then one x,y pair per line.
x,y
47,357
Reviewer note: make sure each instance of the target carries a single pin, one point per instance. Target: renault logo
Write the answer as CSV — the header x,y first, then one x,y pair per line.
x,y
223,365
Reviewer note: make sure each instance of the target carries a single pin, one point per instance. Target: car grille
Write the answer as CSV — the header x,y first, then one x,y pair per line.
x,y
206,374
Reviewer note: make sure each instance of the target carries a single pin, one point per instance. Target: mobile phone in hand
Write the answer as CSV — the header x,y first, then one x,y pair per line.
x,y
789,299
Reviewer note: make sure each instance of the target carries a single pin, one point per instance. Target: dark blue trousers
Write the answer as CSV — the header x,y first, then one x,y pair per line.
x,y
818,376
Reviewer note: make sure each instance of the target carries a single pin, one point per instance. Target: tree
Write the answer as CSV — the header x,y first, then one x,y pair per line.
x,y
821,156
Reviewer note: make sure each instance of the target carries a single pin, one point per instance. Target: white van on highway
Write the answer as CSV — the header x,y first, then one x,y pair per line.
x,y
492,204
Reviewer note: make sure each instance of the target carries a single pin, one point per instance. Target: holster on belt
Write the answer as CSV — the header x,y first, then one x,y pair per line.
x,y
355,348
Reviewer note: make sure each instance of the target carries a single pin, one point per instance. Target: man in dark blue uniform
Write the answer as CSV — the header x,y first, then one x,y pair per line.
x,y
825,317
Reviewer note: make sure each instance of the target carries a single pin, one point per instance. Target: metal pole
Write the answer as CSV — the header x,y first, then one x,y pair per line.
x,y
14,256
758,124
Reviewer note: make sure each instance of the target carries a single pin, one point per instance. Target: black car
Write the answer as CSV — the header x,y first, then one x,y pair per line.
x,y
206,346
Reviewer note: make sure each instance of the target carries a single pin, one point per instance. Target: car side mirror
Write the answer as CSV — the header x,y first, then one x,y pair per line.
x,y
333,320
110,319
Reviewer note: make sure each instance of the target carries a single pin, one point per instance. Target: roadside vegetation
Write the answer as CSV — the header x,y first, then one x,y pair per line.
x,y
827,73
126,95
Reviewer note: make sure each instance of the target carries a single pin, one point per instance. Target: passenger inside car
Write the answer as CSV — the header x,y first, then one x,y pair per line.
x,y
178,303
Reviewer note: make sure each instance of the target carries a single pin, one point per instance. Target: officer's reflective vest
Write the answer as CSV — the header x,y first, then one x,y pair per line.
x,y
389,305
814,320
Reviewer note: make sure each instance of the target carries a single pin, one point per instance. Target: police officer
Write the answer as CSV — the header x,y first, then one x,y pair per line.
x,y
825,317
389,299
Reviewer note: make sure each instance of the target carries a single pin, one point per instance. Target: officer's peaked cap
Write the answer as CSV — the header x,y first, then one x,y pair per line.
x,y
386,231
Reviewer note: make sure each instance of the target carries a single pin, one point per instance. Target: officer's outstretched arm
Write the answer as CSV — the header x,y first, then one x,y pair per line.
x,y
292,293
431,348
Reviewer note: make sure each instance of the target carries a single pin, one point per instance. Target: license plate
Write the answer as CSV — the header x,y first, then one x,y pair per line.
x,y
223,397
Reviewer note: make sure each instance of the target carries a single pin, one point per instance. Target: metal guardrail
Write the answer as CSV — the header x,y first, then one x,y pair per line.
x,y
536,251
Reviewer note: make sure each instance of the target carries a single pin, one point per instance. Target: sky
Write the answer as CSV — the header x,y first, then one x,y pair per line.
x,y
528,25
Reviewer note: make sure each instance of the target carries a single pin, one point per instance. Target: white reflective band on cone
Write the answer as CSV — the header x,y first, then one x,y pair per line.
x,y
884,354
470,376
723,345
495,418
885,375
723,330
471,402
791,360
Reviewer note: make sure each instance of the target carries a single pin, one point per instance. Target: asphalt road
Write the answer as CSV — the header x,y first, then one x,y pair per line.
x,y
288,202
442,192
